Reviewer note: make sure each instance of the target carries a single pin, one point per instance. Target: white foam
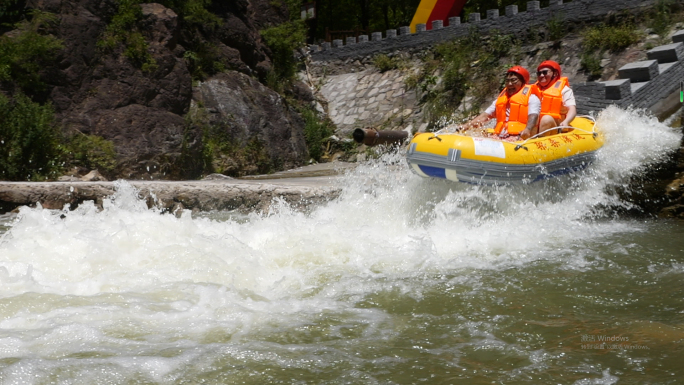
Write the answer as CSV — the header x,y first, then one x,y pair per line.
x,y
127,281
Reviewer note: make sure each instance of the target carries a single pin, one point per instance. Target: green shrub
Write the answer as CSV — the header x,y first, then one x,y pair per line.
x,y
316,131
92,152
596,40
29,146
557,28
591,64
11,11
613,38
194,12
23,55
204,61
202,57
230,157
136,50
385,63
122,24
122,29
274,82
222,153
661,19
499,44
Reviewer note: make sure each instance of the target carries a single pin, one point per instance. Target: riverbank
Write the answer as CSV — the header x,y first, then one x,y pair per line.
x,y
299,187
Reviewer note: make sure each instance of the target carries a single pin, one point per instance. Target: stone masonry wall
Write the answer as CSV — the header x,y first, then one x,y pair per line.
x,y
371,99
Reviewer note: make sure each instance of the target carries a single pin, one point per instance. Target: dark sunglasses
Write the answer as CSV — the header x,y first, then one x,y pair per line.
x,y
543,72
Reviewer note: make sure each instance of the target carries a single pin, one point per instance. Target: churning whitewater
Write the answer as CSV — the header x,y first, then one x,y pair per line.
x,y
131,295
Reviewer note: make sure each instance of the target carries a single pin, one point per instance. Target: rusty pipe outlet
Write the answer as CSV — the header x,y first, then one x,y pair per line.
x,y
373,137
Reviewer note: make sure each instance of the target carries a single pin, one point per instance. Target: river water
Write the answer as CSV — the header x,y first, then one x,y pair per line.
x,y
401,280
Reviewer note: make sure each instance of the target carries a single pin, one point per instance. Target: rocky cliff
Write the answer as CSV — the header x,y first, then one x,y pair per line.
x,y
142,109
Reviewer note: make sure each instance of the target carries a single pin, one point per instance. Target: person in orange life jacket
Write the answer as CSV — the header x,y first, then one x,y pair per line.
x,y
516,109
558,106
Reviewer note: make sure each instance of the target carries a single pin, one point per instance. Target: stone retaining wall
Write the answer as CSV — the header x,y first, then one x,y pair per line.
x,y
371,99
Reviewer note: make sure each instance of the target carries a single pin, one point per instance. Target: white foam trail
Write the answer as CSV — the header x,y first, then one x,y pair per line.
x,y
387,221
129,282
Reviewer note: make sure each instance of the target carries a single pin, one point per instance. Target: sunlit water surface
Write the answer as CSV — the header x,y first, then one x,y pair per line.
x,y
401,280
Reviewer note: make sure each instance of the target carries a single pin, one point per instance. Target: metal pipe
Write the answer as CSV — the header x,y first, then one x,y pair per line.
x,y
373,137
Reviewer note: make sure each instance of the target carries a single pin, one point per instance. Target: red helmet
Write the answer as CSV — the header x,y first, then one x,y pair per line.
x,y
520,71
550,64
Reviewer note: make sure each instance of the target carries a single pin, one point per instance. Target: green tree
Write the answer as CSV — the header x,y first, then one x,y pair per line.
x,y
316,131
374,15
11,12
29,146
283,40
25,53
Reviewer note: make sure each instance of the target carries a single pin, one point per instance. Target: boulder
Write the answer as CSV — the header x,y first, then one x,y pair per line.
x,y
247,109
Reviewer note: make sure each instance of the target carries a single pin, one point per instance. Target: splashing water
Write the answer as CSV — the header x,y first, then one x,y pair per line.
x,y
400,280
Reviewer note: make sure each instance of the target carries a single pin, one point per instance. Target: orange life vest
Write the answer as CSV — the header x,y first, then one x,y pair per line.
x,y
552,99
517,118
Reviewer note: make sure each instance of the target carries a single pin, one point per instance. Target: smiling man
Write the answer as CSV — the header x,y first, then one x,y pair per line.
x,y
558,106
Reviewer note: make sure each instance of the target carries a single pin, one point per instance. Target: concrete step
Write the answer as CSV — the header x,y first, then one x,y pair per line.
x,y
669,53
641,71
618,89
664,67
678,37
636,86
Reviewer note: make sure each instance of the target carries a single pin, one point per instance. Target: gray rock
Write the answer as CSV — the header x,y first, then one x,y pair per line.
x,y
246,110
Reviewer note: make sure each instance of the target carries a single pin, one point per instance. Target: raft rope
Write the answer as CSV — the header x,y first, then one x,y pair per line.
x,y
559,128
447,130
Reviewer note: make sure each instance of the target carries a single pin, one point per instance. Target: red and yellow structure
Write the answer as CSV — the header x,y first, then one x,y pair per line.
x,y
429,10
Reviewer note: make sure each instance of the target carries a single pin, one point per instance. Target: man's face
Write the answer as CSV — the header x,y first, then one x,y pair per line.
x,y
513,84
544,76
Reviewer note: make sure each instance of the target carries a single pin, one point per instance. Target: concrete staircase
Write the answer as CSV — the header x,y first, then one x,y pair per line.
x,y
650,84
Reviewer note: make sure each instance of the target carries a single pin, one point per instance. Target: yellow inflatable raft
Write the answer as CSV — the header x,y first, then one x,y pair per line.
x,y
483,160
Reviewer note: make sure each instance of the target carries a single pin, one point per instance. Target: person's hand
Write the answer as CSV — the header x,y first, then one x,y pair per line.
x,y
469,125
564,126
525,133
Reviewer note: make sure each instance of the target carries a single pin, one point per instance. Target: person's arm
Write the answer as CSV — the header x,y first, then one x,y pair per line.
x,y
481,119
477,122
572,113
533,111
531,126
570,103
